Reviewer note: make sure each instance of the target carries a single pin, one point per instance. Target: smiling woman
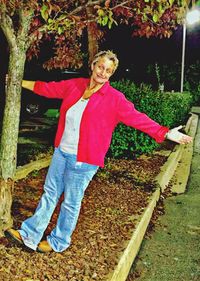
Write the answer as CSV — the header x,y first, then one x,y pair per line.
x,y
102,68
82,140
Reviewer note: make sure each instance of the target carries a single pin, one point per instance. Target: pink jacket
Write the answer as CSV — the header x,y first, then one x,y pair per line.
x,y
105,109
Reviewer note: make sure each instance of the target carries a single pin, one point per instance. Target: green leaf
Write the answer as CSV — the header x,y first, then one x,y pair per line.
x,y
44,12
99,21
110,14
60,30
105,20
144,18
160,8
110,24
155,18
100,12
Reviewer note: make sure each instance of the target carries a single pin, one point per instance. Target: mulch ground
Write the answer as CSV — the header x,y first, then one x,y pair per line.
x,y
113,202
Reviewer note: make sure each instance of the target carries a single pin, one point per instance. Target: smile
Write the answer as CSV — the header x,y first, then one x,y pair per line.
x,y
100,77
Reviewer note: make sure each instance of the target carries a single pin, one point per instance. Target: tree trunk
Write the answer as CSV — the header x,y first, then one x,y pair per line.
x,y
6,187
9,137
92,39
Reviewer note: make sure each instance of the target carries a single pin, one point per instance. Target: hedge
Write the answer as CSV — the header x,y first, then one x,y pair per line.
x,y
168,109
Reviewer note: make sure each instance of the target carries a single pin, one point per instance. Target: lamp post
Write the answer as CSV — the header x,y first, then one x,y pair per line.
x,y
192,17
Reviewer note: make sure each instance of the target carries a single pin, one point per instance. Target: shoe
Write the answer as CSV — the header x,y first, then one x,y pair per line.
x,y
44,247
14,235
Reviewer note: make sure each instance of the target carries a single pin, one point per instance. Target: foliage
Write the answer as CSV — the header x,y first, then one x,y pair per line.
x,y
196,94
192,73
65,21
168,109
169,75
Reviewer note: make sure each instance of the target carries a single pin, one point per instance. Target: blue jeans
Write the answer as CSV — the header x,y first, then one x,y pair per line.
x,y
65,175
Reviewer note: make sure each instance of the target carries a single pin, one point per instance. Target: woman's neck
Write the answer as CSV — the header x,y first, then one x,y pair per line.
x,y
93,86
91,89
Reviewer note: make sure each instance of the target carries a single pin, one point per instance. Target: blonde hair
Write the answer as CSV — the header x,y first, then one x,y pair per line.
x,y
108,54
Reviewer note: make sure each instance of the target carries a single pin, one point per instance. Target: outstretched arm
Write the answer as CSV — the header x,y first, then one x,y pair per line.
x,y
138,120
28,84
176,136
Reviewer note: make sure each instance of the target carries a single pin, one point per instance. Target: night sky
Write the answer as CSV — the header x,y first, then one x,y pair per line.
x,y
143,50
139,52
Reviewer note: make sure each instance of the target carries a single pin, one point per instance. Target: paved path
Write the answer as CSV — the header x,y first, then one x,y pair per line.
x,y
173,252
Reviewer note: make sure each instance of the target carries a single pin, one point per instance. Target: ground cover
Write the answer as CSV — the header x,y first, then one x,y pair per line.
x,y
113,202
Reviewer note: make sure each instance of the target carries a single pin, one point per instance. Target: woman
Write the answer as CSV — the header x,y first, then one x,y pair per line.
x,y
90,111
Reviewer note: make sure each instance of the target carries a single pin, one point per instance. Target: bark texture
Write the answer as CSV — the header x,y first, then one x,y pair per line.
x,y
92,40
18,41
9,139
6,202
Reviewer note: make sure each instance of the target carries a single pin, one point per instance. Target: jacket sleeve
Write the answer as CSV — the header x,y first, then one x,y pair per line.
x,y
128,115
53,89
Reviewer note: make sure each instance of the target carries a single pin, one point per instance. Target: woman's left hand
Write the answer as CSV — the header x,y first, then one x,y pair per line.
x,y
176,136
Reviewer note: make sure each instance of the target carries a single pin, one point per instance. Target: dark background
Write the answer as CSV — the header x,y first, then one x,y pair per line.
x,y
134,53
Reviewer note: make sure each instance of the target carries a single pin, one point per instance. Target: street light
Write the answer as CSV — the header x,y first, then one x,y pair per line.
x,y
192,17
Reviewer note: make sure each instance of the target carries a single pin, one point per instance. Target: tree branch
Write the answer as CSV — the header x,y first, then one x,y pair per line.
x,y
44,28
121,4
90,3
25,17
7,27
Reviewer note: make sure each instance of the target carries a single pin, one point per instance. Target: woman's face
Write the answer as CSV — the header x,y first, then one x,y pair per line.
x,y
102,70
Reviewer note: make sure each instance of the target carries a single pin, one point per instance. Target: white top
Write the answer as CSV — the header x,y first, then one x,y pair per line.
x,y
70,137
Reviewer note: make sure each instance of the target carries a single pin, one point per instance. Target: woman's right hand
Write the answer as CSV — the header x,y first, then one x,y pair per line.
x,y
28,84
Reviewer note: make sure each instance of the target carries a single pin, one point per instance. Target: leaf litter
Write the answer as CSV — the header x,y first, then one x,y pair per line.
x,y
113,202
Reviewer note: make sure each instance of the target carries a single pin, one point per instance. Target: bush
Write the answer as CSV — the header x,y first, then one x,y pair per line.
x,y
168,109
195,93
